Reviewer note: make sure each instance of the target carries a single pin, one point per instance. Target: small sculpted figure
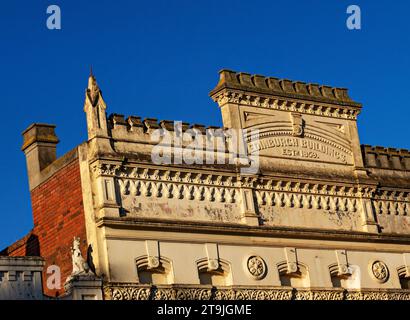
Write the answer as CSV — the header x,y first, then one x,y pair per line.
x,y
80,266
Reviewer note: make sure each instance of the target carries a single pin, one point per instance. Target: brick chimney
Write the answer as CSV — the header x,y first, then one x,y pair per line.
x,y
39,146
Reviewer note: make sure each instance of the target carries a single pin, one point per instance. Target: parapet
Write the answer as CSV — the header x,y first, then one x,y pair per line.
x,y
128,133
283,87
147,125
386,158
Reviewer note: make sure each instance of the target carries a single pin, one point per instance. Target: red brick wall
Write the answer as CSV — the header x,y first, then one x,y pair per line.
x,y
18,252
58,215
26,246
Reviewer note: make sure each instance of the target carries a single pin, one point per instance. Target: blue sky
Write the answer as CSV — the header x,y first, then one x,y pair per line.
x,y
161,58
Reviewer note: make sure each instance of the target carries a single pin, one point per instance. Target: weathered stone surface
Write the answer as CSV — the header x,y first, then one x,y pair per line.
x,y
20,278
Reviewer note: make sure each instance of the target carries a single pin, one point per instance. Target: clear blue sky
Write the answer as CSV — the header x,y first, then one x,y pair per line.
x,y
161,58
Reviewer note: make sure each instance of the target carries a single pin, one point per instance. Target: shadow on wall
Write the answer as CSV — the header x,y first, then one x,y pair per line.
x,y
33,246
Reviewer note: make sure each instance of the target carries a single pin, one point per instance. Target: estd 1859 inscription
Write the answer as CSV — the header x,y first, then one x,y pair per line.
x,y
300,148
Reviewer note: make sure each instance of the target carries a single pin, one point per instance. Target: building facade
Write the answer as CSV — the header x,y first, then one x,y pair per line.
x,y
282,202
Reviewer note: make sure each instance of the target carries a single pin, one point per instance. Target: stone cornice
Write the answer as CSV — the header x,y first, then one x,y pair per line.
x,y
285,104
153,224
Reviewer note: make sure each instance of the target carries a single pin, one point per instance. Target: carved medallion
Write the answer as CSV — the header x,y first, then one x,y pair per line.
x,y
379,271
256,267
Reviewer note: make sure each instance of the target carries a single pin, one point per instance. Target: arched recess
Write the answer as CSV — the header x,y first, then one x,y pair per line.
x,y
154,270
404,277
219,275
295,275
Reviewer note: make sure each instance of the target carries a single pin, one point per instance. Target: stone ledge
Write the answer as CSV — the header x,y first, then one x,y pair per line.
x,y
258,231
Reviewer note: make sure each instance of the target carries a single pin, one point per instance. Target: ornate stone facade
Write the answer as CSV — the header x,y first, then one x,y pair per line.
x,y
138,292
320,218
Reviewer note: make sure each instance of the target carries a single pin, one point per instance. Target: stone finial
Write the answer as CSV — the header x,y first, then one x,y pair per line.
x,y
93,91
94,107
